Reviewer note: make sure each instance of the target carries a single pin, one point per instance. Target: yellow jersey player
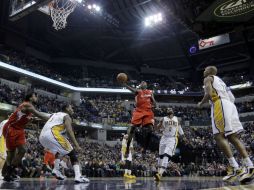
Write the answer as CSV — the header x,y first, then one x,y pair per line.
x,y
54,138
226,124
168,142
2,148
127,159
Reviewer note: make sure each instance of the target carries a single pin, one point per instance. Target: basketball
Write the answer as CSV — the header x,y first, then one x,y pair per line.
x,y
122,77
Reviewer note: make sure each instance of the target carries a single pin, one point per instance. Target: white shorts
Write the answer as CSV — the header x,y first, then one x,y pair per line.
x,y
129,158
168,145
225,118
56,143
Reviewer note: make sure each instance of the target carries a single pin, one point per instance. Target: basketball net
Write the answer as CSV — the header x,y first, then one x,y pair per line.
x,y
60,10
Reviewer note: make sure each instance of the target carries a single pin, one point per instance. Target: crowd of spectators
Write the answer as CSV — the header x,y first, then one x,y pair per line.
x,y
196,155
109,110
105,77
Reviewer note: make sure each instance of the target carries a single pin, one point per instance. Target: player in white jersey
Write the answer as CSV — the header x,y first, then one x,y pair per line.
x,y
127,159
226,124
2,148
53,138
171,130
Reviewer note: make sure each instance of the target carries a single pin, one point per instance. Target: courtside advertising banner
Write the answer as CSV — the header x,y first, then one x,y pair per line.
x,y
214,41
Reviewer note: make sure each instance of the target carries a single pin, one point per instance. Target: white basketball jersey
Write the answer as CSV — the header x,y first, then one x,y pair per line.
x,y
170,126
2,126
221,89
55,120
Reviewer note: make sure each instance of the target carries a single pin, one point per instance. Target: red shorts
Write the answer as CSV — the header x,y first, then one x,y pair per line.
x,y
142,118
49,158
13,137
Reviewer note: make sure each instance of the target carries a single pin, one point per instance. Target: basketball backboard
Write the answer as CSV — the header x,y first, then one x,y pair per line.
x,y
21,8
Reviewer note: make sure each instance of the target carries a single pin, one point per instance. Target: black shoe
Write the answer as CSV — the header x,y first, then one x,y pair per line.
x,y
8,179
15,177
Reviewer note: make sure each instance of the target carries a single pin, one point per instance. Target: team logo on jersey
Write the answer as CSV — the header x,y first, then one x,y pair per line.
x,y
146,95
171,123
233,8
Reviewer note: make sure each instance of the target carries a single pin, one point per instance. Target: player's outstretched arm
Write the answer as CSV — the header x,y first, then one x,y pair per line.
x,y
30,108
69,130
208,91
133,90
154,101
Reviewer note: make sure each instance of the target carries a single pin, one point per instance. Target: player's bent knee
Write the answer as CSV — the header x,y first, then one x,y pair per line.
x,y
219,136
73,157
21,150
149,127
167,155
132,129
233,137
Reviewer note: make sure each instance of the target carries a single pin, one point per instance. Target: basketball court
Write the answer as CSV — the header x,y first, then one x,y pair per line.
x,y
181,183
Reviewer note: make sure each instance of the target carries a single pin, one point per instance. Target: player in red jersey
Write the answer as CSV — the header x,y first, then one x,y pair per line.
x,y
49,159
14,133
142,115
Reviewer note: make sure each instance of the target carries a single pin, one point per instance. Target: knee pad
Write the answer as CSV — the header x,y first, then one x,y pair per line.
x,y
167,155
73,157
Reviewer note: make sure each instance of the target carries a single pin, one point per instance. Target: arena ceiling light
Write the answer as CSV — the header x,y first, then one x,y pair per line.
x,y
94,7
153,20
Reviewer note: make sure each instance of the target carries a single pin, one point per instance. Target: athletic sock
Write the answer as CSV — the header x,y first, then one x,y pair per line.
x,y
77,171
129,172
56,164
125,171
160,162
247,162
233,162
161,171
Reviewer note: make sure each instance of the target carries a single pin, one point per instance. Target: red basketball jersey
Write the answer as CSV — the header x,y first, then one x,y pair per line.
x,y
18,119
144,100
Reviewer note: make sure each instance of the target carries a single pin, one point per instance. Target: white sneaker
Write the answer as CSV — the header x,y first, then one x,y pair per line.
x,y
1,177
58,174
82,179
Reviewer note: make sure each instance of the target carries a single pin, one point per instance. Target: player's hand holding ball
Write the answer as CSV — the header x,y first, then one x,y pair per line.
x,y
122,78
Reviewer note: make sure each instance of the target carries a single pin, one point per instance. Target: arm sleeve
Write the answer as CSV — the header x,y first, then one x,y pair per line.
x,y
181,130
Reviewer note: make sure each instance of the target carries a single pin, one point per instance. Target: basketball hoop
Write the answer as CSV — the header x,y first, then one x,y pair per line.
x,y
60,10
